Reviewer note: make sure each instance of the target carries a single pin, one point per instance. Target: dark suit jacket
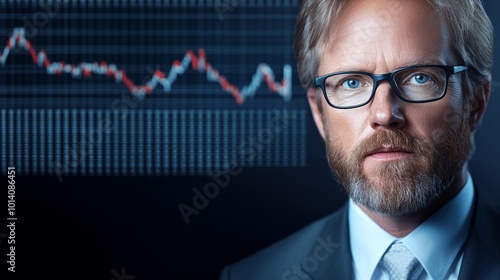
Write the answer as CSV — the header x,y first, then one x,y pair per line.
x,y
321,250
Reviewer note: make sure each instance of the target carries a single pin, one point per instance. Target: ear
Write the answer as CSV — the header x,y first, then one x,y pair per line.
x,y
478,105
316,111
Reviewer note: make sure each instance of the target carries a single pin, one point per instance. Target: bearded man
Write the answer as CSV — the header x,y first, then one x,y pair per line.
x,y
397,90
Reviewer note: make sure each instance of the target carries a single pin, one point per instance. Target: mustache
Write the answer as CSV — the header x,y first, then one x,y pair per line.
x,y
395,139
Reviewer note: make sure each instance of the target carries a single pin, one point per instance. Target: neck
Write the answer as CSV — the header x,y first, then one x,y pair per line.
x,y
401,226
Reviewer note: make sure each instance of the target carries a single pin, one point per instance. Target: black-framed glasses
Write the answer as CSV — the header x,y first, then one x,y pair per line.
x,y
414,84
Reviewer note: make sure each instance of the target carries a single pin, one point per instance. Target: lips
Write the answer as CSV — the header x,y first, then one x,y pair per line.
x,y
387,151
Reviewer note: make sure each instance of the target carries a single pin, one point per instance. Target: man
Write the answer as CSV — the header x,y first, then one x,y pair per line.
x,y
397,90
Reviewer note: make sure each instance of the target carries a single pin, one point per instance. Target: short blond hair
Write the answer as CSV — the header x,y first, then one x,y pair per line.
x,y
470,28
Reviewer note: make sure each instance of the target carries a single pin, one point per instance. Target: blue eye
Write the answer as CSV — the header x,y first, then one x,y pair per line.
x,y
351,83
420,79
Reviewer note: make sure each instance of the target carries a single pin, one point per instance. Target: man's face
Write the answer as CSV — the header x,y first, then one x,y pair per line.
x,y
391,156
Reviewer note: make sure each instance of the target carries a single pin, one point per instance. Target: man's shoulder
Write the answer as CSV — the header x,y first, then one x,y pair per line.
x,y
486,223
482,249
321,237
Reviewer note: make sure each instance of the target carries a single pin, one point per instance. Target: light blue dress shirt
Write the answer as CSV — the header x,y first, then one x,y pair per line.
x,y
436,243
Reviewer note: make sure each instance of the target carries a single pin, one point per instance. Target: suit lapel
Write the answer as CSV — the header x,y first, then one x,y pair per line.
x,y
337,264
482,248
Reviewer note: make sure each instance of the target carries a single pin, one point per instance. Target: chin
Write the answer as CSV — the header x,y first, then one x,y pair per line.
x,y
396,195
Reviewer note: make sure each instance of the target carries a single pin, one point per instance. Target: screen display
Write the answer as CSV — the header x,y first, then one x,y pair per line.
x,y
149,88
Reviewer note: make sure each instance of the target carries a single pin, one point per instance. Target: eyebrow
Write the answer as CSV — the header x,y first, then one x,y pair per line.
x,y
432,61
425,62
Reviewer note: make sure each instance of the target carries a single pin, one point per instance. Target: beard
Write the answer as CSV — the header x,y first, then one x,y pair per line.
x,y
403,186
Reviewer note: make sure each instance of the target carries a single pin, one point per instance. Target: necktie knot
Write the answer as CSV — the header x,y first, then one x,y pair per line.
x,y
400,263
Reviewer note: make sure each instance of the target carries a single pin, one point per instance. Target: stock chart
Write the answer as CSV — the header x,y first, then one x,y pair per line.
x,y
149,88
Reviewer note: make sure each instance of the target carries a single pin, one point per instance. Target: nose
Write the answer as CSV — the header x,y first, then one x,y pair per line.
x,y
386,108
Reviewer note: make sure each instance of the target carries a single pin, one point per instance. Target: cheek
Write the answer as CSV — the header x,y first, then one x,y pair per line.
x,y
434,119
342,128
453,113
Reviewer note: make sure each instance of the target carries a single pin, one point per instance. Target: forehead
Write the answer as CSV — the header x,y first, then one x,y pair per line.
x,y
373,34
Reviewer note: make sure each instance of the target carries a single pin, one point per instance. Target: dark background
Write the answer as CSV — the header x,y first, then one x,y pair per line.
x,y
91,226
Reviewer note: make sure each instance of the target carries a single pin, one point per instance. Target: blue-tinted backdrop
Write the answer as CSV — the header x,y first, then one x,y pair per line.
x,y
165,138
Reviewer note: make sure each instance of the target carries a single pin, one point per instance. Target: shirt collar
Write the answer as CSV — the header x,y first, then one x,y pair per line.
x,y
368,241
435,243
